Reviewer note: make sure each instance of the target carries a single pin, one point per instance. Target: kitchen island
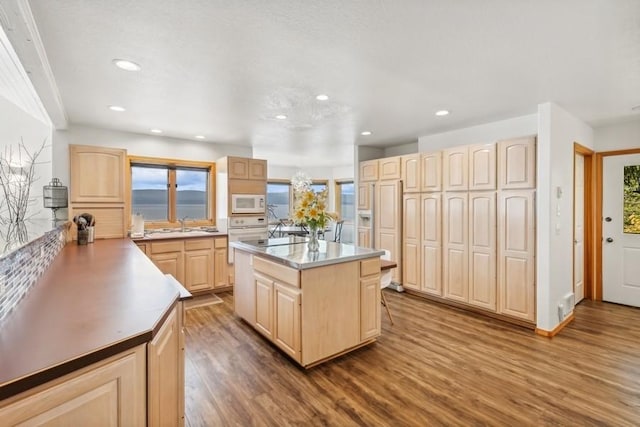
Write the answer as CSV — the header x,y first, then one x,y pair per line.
x,y
312,305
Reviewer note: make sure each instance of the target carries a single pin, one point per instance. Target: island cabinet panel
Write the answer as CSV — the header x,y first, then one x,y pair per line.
x,y
482,167
411,182
97,174
370,307
431,240
110,392
331,312
456,247
389,168
411,241
264,304
368,171
455,169
431,171
286,332
517,163
165,358
482,249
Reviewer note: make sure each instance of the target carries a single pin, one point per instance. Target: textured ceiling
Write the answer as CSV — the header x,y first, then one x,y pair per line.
x,y
225,69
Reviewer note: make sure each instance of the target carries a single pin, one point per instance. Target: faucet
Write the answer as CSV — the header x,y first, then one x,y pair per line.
x,y
181,221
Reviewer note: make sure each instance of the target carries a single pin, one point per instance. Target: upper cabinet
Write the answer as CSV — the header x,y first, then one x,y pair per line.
x,y
431,176
97,174
517,163
482,167
245,168
369,171
411,173
455,170
364,196
389,168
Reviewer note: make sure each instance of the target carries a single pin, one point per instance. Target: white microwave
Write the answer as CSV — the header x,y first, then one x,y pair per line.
x,y
248,204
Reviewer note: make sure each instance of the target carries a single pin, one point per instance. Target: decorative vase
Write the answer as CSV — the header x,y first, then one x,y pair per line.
x,y
313,243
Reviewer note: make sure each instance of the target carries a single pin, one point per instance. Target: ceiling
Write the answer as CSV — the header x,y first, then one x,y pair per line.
x,y
225,69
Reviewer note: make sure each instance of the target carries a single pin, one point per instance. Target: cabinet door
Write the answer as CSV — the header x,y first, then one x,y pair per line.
x,y
389,168
431,171
411,181
431,230
369,307
482,249
482,167
96,174
198,270
388,221
455,169
369,171
220,268
142,247
364,197
257,169
516,276
517,163
164,358
411,241
238,168
286,331
111,390
456,282
170,263
364,237
264,304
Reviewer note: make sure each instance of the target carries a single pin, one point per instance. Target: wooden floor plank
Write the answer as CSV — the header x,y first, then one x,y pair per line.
x,y
435,366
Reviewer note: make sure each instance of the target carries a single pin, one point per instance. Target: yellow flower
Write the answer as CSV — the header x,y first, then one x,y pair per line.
x,y
313,213
308,196
299,215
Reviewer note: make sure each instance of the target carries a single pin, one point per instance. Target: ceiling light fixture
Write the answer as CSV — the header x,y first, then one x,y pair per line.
x,y
199,137
322,97
365,133
281,117
441,113
117,108
123,64
155,130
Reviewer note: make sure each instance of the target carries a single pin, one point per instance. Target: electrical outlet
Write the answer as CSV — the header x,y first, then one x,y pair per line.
x,y
561,312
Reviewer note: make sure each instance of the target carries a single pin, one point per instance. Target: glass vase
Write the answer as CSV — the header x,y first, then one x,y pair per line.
x,y
313,243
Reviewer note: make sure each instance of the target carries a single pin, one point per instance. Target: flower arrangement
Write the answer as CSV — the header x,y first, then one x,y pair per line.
x,y
310,208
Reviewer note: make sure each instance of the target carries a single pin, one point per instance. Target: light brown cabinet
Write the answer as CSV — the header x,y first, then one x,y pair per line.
x,y
517,163
411,241
431,243
369,307
97,174
389,168
455,169
246,168
286,333
264,304
388,221
368,171
364,237
411,174
221,277
198,271
456,254
364,197
482,167
516,268
431,171
170,263
482,249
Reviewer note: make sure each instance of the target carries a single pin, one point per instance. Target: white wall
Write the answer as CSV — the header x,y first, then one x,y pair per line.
x,y
557,132
619,136
138,145
401,150
485,133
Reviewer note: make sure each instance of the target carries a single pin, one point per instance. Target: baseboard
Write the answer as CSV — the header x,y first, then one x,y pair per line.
x,y
557,329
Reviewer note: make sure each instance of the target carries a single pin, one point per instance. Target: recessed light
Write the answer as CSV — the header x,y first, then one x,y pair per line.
x,y
281,117
199,137
155,130
442,113
365,133
322,97
117,108
123,64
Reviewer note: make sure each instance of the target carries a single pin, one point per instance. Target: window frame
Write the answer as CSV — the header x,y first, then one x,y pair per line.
x,y
338,198
172,165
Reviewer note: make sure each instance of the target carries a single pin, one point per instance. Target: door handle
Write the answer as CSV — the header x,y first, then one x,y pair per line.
x,y
609,240
608,219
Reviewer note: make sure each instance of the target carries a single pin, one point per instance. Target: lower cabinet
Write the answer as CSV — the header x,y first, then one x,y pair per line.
x,y
264,305
286,331
221,277
364,237
369,307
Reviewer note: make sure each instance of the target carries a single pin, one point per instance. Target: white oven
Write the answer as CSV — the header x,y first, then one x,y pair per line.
x,y
246,228
248,203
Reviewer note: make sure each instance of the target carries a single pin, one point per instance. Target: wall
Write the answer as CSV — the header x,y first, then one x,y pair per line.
x,y
557,132
401,150
488,132
618,136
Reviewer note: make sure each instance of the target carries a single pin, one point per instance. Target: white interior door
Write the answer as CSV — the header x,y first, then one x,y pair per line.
x,y
578,229
621,230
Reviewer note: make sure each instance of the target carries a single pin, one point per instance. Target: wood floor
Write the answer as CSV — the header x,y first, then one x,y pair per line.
x,y
435,366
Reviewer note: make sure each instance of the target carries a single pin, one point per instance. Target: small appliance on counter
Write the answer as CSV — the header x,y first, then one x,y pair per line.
x,y
137,226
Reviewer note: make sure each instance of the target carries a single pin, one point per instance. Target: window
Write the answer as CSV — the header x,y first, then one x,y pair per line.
x,y
631,199
167,191
278,199
345,200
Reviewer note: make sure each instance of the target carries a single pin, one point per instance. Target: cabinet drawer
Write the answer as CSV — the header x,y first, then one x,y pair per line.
x,y
197,244
168,246
369,267
285,274
220,242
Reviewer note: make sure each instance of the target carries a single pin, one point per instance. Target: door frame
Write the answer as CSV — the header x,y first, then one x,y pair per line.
x,y
597,287
588,221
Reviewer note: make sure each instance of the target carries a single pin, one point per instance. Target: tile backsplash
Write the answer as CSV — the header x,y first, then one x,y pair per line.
x,y
20,270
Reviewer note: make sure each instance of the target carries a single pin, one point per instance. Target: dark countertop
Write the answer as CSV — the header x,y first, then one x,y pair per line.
x,y
94,301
